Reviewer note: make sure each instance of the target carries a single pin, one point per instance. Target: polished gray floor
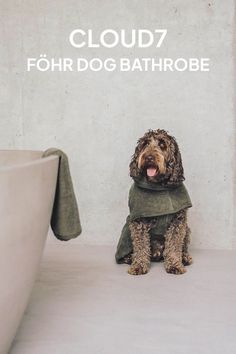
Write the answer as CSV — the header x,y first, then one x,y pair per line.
x,y
83,303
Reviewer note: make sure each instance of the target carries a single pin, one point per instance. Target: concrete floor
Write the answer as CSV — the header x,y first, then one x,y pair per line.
x,y
83,303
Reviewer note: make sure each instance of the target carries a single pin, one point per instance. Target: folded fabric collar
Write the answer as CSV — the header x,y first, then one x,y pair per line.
x,y
142,182
149,199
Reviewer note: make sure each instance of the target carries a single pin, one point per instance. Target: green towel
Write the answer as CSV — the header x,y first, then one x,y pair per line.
x,y
65,220
152,200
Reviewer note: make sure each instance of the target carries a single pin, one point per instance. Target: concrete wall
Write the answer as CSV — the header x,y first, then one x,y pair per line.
x,y
97,117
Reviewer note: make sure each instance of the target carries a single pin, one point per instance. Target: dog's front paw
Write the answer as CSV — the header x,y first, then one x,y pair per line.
x,y
187,259
138,269
175,268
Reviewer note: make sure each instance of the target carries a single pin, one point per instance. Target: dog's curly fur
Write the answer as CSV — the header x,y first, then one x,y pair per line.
x,y
160,152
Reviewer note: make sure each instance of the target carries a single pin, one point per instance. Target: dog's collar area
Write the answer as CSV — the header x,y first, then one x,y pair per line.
x,y
152,203
143,183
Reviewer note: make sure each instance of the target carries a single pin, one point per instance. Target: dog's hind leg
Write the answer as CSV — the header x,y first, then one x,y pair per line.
x,y
141,248
157,249
187,259
174,241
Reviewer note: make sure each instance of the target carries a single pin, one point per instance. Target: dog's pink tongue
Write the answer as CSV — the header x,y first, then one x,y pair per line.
x,y
151,172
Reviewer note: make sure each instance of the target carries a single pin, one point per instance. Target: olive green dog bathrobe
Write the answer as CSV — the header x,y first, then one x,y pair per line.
x,y
149,200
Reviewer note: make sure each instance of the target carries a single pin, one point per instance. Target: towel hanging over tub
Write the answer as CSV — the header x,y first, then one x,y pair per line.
x,y
65,220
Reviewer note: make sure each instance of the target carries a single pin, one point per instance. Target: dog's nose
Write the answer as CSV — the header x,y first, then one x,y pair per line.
x,y
149,158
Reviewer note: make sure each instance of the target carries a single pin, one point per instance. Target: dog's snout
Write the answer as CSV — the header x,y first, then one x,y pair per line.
x,y
149,158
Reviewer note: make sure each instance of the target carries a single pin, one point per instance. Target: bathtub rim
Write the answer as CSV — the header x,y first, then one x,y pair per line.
x,y
28,163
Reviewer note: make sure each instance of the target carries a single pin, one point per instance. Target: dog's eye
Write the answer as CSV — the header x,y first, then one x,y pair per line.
x,y
162,144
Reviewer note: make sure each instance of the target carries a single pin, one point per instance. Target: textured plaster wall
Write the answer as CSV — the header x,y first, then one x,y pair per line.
x,y
97,117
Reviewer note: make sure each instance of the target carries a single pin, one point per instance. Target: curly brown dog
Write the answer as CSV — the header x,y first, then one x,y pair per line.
x,y
156,228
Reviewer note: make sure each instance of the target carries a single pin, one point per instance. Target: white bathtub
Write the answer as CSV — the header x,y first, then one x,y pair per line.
x,y
27,188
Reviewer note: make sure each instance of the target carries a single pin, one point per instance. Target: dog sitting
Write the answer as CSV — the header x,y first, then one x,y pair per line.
x,y
156,228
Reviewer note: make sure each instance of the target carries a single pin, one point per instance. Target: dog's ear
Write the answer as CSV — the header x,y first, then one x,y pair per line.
x,y
133,167
134,171
175,167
